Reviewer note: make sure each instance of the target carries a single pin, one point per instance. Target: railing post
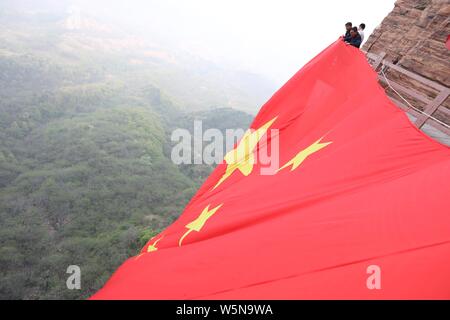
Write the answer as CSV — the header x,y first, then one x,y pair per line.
x,y
432,107
378,61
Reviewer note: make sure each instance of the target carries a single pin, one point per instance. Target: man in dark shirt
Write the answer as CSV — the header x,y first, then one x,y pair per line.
x,y
355,39
348,27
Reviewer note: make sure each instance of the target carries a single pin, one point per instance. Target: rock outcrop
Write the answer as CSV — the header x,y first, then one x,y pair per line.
x,y
413,36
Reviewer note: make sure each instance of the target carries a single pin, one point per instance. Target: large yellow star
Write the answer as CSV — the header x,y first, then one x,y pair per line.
x,y
198,223
242,158
302,155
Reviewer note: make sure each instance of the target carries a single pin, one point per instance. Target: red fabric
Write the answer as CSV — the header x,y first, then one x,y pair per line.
x,y
377,195
448,42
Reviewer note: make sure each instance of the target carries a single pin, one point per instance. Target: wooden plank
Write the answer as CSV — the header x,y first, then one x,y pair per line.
x,y
371,55
409,92
444,110
416,114
432,107
438,126
378,60
404,107
414,76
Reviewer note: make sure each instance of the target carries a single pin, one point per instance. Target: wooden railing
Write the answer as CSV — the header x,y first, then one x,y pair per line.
x,y
431,104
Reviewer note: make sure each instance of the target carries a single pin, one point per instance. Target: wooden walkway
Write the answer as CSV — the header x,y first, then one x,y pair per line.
x,y
431,107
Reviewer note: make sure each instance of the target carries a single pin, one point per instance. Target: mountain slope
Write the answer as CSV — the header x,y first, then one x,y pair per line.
x,y
85,171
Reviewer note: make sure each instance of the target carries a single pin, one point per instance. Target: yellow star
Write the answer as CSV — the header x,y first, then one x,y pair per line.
x,y
241,158
302,155
150,248
198,223
153,247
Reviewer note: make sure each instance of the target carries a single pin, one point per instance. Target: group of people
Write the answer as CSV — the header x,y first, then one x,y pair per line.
x,y
354,35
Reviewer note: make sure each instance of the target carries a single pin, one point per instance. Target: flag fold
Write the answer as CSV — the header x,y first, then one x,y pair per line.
x,y
353,203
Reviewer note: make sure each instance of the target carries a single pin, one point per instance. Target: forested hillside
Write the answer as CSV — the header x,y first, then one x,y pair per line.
x,y
85,171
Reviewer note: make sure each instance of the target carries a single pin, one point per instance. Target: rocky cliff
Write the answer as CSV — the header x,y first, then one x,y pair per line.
x,y
413,36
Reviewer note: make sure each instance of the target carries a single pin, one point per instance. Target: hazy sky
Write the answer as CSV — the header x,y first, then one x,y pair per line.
x,y
271,37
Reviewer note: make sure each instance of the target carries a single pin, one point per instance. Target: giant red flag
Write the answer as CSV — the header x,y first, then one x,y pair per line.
x,y
359,206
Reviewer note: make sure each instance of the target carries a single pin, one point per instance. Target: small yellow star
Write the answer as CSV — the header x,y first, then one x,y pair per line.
x,y
150,248
302,155
198,223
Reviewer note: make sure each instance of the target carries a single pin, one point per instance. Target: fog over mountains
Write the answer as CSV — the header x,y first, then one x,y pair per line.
x,y
86,114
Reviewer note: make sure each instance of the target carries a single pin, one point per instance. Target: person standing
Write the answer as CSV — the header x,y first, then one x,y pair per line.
x,y
361,28
355,38
348,27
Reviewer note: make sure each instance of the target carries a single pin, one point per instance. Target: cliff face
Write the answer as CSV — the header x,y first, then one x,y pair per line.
x,y
413,36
